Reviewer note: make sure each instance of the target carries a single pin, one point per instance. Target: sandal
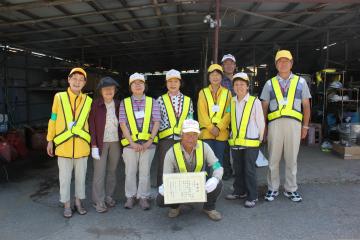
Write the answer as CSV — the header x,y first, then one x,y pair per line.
x,y
68,212
110,202
80,209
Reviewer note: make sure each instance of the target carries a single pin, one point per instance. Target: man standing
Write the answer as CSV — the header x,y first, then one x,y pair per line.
x,y
285,101
228,62
229,65
193,155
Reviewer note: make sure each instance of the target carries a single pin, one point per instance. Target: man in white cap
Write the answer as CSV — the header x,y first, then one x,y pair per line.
x,y
285,101
193,155
228,62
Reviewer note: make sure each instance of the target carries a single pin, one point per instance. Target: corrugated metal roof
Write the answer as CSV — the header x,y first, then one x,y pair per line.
x,y
160,34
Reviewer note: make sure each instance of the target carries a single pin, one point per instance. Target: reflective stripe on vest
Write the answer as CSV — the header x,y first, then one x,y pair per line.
x,y
76,129
216,117
199,156
288,109
175,124
239,137
145,133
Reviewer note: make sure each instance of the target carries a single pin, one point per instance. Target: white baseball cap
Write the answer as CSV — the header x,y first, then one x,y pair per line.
x,y
190,125
136,76
241,75
228,56
173,74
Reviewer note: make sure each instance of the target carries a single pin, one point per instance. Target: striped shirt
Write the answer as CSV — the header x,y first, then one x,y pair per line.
x,y
176,101
139,105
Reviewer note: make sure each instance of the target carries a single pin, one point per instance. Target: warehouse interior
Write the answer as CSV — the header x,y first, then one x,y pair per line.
x,y
41,40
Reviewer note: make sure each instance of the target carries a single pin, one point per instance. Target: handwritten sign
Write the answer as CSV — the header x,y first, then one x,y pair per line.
x,y
184,187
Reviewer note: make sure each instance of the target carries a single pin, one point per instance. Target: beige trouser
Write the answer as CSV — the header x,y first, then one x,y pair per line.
x,y
66,166
105,167
134,162
284,136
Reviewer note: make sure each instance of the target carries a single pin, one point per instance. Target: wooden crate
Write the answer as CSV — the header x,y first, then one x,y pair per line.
x,y
346,153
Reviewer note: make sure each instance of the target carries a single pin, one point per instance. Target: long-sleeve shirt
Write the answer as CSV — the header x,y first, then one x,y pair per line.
x,y
256,125
204,118
171,166
99,122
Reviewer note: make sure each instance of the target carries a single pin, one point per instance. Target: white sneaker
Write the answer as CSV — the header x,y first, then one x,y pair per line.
x,y
270,195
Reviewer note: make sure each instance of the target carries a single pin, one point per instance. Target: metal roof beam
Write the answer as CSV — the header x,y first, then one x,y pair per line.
x,y
116,10
106,34
37,4
244,19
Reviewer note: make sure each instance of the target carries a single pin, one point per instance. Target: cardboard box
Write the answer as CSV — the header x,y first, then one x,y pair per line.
x,y
352,152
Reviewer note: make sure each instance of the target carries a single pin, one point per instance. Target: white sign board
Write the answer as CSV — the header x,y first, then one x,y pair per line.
x,y
184,187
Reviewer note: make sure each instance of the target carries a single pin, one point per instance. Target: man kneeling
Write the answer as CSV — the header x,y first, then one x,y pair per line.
x,y
192,155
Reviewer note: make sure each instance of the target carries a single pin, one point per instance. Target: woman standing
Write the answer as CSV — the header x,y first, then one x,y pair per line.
x,y
247,130
139,119
105,144
175,107
213,112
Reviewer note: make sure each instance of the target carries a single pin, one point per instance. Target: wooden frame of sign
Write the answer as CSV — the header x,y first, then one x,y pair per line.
x,y
184,187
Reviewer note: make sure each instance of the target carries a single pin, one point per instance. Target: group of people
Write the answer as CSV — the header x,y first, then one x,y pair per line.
x,y
231,126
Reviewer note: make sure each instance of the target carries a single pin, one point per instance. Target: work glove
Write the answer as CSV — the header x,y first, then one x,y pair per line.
x,y
95,153
211,184
161,189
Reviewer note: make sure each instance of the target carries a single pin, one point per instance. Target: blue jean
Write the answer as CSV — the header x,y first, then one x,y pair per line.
x,y
218,148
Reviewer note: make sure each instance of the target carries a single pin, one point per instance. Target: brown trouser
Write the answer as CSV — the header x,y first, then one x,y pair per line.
x,y
104,180
284,135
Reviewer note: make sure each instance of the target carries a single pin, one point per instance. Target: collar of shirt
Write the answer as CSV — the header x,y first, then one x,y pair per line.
x,y
246,98
217,93
177,95
188,156
137,99
73,96
110,104
281,79
226,80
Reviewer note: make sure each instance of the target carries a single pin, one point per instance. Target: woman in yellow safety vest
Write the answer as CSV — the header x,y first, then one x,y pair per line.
x,y
213,112
247,130
175,107
68,133
139,118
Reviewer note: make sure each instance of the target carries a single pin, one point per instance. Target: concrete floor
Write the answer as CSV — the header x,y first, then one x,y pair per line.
x,y
330,209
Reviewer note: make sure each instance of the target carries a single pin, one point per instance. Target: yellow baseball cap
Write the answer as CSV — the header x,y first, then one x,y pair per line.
x,y
283,54
214,67
78,70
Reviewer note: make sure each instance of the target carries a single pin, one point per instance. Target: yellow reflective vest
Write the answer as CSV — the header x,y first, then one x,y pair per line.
x,y
145,134
221,103
199,155
285,106
175,123
73,127
238,138
69,133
